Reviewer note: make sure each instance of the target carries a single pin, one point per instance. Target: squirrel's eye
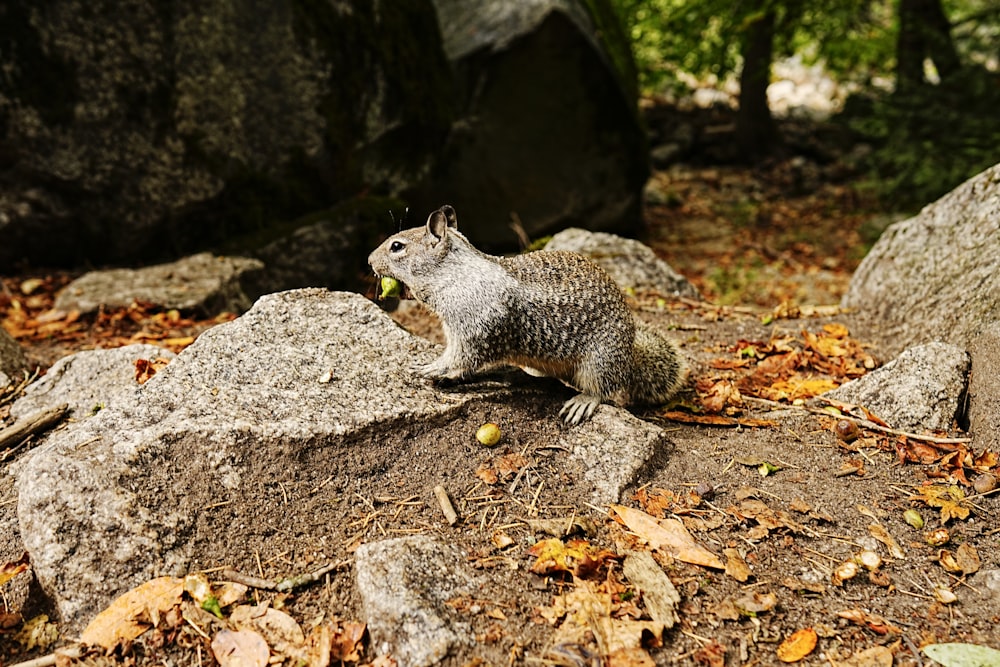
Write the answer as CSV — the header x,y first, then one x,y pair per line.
x,y
396,246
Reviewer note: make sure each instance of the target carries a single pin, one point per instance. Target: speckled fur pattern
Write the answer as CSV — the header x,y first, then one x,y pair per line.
x,y
551,312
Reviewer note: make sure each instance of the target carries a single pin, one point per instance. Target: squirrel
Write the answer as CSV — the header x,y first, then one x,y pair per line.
x,y
552,313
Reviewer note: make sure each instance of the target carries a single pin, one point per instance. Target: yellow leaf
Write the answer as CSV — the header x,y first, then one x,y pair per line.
x,y
133,612
669,536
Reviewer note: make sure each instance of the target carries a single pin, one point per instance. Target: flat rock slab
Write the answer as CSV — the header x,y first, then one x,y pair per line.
x,y
632,264
919,390
112,500
405,584
88,381
200,282
936,276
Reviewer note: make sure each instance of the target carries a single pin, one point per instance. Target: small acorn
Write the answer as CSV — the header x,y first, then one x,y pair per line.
x,y
390,287
846,430
488,434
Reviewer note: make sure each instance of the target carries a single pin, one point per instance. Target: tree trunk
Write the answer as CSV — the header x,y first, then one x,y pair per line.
x,y
924,32
756,134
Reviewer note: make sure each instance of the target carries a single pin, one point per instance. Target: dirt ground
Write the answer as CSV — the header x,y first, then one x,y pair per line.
x,y
822,502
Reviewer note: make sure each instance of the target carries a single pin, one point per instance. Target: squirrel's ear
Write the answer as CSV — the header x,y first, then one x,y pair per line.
x,y
449,215
437,224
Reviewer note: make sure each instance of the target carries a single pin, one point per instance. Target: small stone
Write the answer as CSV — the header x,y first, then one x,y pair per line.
x,y
984,483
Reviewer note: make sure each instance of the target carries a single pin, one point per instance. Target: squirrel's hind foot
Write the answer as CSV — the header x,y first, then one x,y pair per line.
x,y
439,371
579,409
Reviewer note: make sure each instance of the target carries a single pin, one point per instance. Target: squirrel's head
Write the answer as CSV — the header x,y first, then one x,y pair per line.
x,y
412,255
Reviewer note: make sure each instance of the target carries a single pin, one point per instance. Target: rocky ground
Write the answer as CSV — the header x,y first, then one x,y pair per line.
x,y
863,544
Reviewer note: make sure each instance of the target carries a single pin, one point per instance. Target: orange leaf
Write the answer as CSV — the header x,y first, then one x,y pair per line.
x,y
13,568
800,644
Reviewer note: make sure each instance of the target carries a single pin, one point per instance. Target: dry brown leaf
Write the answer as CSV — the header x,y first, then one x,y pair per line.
x,y
669,536
873,622
716,420
631,657
588,609
347,638
244,648
133,612
720,395
736,566
800,644
319,645
883,536
278,629
876,656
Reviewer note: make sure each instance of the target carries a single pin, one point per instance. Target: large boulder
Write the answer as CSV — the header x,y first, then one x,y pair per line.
x,y
549,134
936,276
147,134
170,127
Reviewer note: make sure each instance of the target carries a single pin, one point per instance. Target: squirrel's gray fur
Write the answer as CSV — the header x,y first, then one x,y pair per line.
x,y
552,313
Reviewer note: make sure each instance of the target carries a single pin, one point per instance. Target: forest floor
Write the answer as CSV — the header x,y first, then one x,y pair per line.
x,y
754,475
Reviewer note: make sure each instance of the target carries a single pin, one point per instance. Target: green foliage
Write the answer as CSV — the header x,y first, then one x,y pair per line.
x,y
932,140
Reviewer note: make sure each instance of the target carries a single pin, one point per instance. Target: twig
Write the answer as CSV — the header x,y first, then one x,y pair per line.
x,y
72,652
37,422
287,584
862,422
446,507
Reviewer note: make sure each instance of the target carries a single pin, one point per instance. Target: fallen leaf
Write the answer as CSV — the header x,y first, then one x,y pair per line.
x,y
658,592
278,629
669,536
711,655
875,623
756,603
876,656
347,638
800,644
133,612
243,648
11,569
736,566
950,499
716,420
883,536
962,655
720,395
37,633
577,557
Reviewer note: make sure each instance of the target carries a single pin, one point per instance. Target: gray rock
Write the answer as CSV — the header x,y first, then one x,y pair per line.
x,y
935,276
919,390
200,282
613,448
548,125
984,388
114,500
12,360
198,124
88,381
632,264
404,585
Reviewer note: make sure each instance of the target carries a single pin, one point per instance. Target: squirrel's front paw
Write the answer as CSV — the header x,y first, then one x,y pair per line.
x,y
579,408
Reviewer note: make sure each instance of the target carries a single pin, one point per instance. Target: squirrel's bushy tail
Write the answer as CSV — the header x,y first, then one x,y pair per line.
x,y
659,368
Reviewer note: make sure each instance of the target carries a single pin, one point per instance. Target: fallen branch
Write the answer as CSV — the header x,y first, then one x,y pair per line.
x,y
284,585
35,423
862,422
